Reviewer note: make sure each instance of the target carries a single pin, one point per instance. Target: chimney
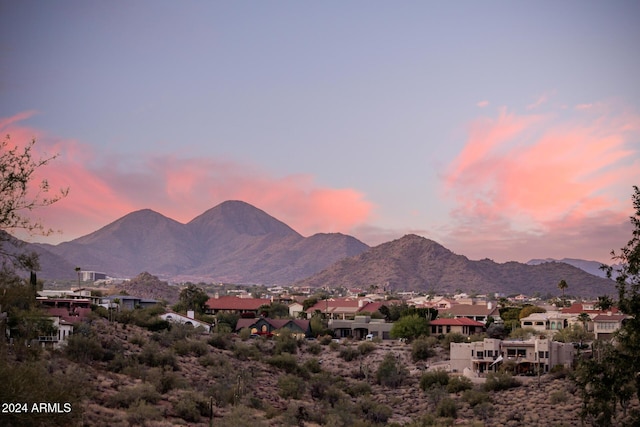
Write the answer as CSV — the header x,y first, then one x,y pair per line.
x,y
191,314
217,295
489,305
360,303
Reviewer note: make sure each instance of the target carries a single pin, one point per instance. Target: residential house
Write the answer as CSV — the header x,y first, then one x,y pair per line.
x,y
71,310
127,302
461,325
477,312
549,321
189,319
63,330
344,308
605,325
295,309
477,358
359,327
300,328
236,305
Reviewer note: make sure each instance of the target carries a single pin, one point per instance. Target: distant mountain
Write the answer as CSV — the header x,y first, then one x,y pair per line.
x,y
232,242
415,263
591,267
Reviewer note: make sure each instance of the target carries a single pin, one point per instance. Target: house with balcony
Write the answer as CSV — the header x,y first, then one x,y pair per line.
x,y
606,325
236,305
478,358
549,321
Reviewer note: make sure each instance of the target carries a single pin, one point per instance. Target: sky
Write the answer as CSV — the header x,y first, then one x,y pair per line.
x,y
502,130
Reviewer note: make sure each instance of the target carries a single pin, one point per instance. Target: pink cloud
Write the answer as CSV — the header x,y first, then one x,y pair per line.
x,y
482,104
530,178
179,188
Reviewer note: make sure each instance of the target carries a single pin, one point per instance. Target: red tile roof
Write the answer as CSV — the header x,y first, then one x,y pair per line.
x,y
235,303
609,318
578,307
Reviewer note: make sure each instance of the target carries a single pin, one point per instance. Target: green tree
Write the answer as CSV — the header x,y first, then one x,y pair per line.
x,y
18,196
192,297
530,309
604,303
410,327
611,377
563,286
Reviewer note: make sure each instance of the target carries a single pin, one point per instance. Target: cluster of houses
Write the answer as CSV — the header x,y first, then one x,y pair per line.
x,y
360,317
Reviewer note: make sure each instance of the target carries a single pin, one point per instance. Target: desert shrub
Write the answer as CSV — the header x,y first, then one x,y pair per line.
x,y
285,342
475,397
137,340
194,347
458,383
83,349
240,416
373,411
558,397
40,381
191,406
313,365
125,397
152,356
334,346
438,378
287,363
366,348
216,360
165,380
220,340
452,337
497,381
291,386
390,372
348,354
325,339
141,412
246,352
447,408
314,348
358,388
244,334
323,387
484,410
422,349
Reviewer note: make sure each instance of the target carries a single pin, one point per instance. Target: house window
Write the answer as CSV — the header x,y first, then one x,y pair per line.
x,y
448,329
489,353
541,354
480,355
511,352
546,354
521,352
439,329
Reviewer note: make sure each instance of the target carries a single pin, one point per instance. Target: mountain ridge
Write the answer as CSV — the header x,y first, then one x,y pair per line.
x,y
235,242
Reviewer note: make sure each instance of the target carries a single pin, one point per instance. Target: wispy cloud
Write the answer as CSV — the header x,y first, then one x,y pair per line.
x,y
533,178
541,100
104,187
482,104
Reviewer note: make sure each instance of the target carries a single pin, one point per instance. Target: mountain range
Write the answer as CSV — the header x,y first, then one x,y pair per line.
x,y
233,242
236,242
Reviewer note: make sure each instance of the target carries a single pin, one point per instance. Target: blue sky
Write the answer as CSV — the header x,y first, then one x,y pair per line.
x,y
507,130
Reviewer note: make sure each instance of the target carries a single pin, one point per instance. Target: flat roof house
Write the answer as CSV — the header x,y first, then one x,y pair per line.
x,y
233,304
484,356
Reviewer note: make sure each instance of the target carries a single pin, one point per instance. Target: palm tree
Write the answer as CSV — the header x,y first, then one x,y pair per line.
x,y
562,286
584,318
